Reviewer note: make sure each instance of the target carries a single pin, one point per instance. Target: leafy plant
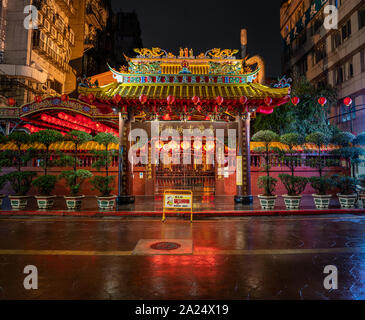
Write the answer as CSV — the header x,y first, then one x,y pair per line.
x,y
75,179
289,154
320,140
21,181
306,117
268,184
346,185
294,185
322,185
20,157
267,137
46,137
45,184
103,184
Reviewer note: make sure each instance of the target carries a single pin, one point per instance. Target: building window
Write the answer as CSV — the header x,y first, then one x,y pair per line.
x,y
347,113
362,60
362,18
348,70
320,52
338,75
336,40
317,24
346,30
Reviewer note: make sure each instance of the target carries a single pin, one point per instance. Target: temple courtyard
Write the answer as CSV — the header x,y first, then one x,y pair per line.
x,y
259,257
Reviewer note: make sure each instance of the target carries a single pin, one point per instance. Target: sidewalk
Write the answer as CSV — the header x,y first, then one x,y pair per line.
x,y
203,207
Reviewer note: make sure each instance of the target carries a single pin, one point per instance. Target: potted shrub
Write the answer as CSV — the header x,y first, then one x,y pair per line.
x,y
348,151
21,181
322,185
267,199
347,191
76,177
103,184
46,183
267,137
294,186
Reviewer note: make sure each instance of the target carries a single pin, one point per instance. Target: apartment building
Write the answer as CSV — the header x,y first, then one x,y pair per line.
x,y
34,60
324,56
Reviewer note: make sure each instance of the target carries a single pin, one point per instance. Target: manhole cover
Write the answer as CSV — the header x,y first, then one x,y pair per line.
x,y
165,246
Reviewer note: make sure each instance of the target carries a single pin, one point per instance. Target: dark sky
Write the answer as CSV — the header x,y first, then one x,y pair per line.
x,y
202,25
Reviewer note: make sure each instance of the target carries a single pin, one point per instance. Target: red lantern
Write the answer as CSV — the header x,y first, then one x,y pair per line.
x,y
166,117
347,101
91,97
170,99
143,99
11,102
322,101
295,101
195,100
268,101
219,100
38,99
243,100
117,98
64,97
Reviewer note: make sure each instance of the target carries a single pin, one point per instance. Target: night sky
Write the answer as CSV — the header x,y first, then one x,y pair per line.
x,y
203,25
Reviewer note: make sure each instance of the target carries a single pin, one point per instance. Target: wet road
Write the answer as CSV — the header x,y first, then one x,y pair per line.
x,y
245,258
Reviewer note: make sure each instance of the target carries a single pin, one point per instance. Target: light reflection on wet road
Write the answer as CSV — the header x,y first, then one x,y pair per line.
x,y
243,258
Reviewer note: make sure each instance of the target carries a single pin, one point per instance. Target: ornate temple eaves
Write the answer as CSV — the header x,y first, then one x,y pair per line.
x,y
186,91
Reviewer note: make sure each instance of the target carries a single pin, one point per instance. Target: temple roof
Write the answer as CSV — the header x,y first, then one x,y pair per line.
x,y
186,91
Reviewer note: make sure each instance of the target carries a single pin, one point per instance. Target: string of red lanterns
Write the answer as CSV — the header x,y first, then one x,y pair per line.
x,y
63,123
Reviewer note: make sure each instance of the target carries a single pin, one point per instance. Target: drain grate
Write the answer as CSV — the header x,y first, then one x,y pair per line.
x,y
165,246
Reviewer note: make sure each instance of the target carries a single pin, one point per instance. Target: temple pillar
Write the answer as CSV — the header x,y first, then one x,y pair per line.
x,y
243,164
123,191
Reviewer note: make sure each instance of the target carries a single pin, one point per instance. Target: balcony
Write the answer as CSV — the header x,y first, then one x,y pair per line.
x,y
67,6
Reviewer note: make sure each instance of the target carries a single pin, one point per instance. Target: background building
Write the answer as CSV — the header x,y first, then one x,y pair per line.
x,y
73,38
35,61
334,57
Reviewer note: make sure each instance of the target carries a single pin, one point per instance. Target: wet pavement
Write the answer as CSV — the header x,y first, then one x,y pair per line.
x,y
238,258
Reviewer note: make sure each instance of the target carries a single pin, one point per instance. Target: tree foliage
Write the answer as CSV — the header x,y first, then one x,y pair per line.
x,y
306,117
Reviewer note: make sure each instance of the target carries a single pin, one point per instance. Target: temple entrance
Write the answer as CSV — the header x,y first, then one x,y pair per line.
x,y
192,162
199,178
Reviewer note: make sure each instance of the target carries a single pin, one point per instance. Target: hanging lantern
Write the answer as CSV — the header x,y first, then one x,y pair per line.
x,y
64,97
91,97
185,145
322,101
170,100
195,100
197,145
38,99
117,98
11,102
295,101
243,100
143,98
268,101
209,146
219,100
166,117
347,101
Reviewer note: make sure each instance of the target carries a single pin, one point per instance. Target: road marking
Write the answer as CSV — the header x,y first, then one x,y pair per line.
x,y
196,252
65,253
